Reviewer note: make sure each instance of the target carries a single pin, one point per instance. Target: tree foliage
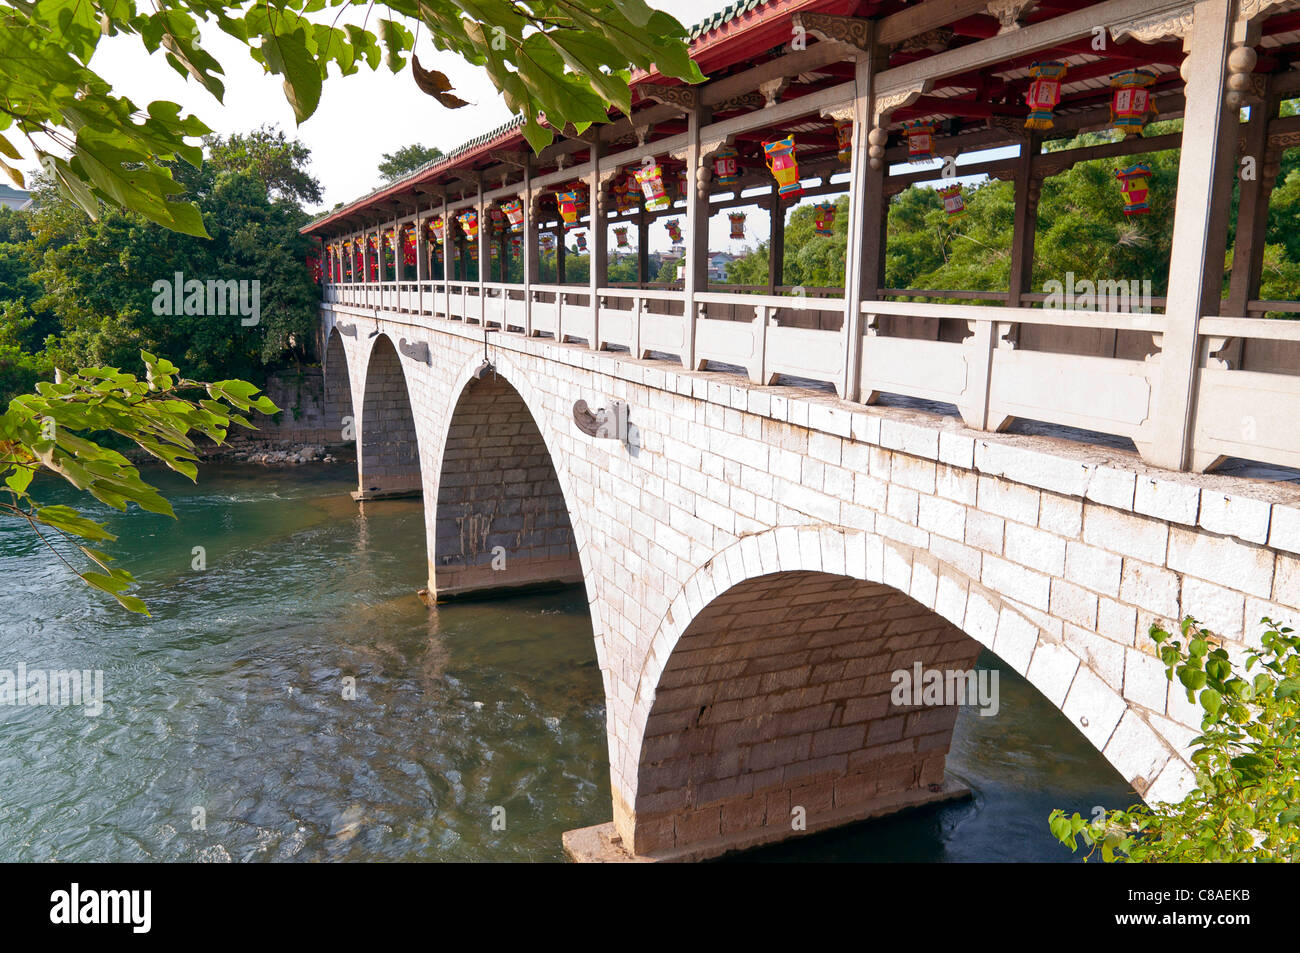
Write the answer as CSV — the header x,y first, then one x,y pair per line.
x,y
406,160
52,431
567,59
1246,804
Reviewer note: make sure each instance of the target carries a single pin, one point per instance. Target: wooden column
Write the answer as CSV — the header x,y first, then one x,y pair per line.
x,y
1028,185
775,241
696,272
529,246
446,259
484,251
1252,211
596,242
867,203
559,253
1200,224
642,247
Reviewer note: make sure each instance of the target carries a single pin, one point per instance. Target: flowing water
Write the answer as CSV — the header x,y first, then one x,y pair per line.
x,y
476,732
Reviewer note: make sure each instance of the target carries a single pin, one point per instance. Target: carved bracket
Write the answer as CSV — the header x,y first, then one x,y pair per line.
x,y
606,423
772,89
886,104
1151,29
1010,12
852,32
416,351
739,101
684,98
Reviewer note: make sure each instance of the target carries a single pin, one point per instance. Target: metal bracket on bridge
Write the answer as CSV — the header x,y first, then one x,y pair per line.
x,y
606,423
416,351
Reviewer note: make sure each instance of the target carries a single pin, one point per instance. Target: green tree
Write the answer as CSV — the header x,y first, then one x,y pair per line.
x,y
406,160
1246,804
566,58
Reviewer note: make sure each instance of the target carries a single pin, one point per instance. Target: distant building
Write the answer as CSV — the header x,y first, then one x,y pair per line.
x,y
14,198
718,261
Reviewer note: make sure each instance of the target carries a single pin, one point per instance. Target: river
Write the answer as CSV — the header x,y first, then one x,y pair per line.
x,y
227,733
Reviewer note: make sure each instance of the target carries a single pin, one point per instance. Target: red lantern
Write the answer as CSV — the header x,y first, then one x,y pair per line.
x,y
844,140
726,167
567,203
651,179
1131,103
784,166
1135,183
582,241
620,235
1044,93
408,245
953,202
824,218
514,210
737,224
920,140
469,223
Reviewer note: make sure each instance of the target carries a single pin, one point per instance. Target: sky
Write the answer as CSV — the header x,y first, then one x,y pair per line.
x,y
361,117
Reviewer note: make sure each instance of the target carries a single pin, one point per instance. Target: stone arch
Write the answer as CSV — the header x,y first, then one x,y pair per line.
x,y
388,456
506,398
686,790
340,416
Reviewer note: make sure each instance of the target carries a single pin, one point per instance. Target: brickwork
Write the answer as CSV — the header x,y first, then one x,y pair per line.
x,y
388,461
778,696
1056,556
501,519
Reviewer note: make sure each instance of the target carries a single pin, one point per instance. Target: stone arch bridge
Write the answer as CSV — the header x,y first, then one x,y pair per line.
x,y
758,560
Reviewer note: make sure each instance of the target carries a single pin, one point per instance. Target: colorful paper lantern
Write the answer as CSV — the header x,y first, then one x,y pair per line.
x,y
737,224
514,210
625,194
823,218
437,228
844,140
408,245
953,202
1131,103
620,236
580,200
567,203
920,140
726,167
581,239
548,241
469,223
497,217
1135,184
674,230
681,184
784,166
651,179
1044,93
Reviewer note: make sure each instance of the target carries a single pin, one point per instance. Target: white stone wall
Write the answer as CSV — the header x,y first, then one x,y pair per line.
x,y
1058,557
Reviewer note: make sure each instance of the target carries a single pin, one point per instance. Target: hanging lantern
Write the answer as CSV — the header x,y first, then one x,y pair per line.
x,y
581,240
674,231
620,235
681,184
737,224
1131,103
514,210
469,223
784,166
580,200
624,194
1135,184
567,204
1044,93
408,245
548,241
920,140
437,228
651,179
726,167
844,140
497,217
953,202
823,218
